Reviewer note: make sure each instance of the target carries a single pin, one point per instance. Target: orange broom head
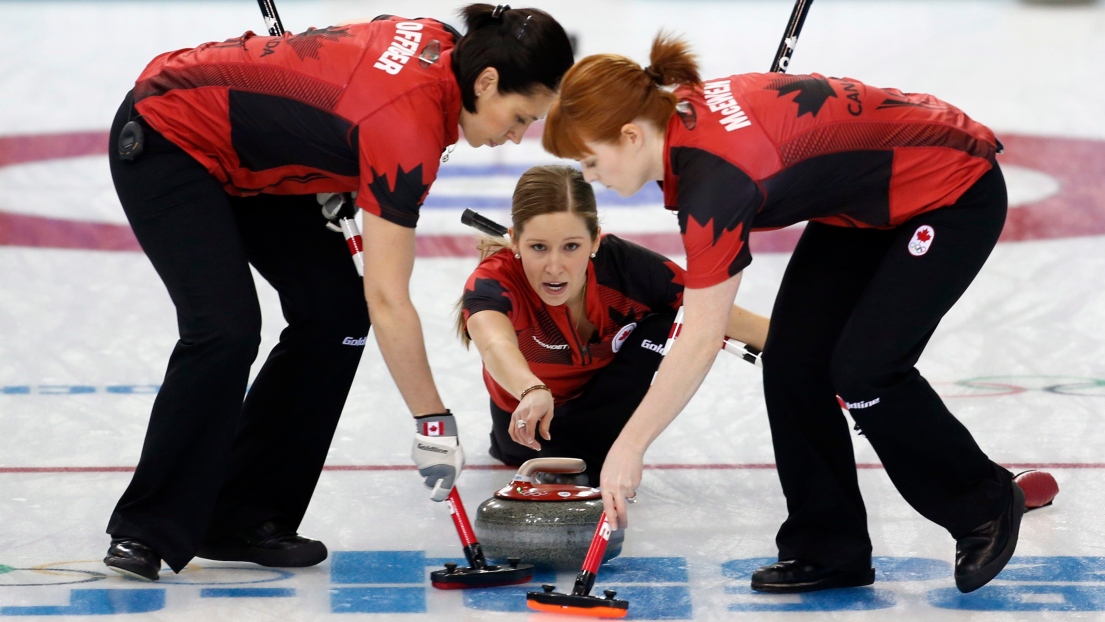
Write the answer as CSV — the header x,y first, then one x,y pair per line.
x,y
594,612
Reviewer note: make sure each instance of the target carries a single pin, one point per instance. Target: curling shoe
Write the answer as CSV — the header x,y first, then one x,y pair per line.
x,y
132,558
795,575
270,545
981,554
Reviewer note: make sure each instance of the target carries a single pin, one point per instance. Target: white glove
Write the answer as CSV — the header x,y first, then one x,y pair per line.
x,y
437,452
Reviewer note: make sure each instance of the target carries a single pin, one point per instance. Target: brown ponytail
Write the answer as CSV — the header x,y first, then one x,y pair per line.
x,y
602,93
672,62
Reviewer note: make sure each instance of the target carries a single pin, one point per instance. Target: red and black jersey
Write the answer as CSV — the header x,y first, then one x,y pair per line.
x,y
763,151
364,107
625,282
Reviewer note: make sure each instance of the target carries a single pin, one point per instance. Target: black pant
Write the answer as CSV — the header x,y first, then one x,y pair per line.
x,y
586,426
213,464
853,314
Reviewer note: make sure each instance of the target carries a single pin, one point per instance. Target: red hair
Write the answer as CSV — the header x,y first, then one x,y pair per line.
x,y
602,93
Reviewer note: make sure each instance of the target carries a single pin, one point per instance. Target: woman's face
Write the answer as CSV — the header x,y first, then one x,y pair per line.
x,y
617,165
556,249
500,118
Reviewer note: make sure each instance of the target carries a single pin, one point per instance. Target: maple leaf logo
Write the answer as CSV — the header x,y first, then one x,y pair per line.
x,y
404,196
812,92
921,240
307,44
677,274
724,239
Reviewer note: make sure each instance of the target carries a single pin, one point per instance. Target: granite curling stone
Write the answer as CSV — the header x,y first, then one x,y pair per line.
x,y
549,525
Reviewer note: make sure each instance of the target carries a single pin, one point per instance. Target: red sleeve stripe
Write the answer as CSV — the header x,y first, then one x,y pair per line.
x,y
880,136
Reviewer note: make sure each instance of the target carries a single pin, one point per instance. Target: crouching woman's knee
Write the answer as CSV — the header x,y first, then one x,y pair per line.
x,y
858,378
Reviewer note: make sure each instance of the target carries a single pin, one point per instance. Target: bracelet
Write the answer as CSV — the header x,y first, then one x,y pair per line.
x,y
533,388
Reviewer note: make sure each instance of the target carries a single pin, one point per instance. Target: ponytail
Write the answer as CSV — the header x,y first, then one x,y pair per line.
x,y
671,62
527,47
602,93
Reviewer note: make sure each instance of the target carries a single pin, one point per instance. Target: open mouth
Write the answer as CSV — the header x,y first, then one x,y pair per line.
x,y
555,288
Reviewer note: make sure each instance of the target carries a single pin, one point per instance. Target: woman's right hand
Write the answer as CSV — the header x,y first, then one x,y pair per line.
x,y
494,336
621,475
534,412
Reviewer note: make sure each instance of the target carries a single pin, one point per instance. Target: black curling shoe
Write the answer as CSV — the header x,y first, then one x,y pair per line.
x,y
795,575
981,554
269,545
133,558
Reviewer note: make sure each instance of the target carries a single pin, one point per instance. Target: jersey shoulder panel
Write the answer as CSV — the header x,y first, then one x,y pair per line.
x,y
638,273
312,66
812,115
491,286
717,203
409,103
717,117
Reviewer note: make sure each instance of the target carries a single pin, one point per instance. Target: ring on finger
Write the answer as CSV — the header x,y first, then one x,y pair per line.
x,y
521,424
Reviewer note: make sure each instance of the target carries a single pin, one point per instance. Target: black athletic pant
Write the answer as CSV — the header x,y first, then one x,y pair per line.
x,y
853,314
213,465
586,426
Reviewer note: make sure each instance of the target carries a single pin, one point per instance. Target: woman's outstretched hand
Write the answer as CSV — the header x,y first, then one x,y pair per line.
x,y
621,475
533,416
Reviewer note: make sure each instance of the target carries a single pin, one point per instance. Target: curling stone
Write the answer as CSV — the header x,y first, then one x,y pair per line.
x,y
547,525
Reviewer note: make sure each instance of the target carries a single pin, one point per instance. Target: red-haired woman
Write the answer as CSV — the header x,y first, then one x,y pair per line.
x,y
570,323
904,200
217,154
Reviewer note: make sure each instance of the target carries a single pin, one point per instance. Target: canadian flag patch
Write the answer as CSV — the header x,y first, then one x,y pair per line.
x,y
433,428
622,335
921,241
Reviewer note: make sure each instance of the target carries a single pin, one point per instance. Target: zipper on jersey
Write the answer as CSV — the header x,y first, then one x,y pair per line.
x,y
584,351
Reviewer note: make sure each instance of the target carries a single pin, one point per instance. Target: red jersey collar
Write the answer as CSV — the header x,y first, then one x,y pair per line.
x,y
670,185
451,102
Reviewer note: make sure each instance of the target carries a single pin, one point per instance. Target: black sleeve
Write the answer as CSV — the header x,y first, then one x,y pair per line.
x,y
483,294
641,274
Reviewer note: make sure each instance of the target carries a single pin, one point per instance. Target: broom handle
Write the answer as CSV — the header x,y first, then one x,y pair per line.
x,y
585,580
472,549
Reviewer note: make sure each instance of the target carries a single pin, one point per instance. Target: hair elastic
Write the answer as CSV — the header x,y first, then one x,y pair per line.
x,y
498,12
522,28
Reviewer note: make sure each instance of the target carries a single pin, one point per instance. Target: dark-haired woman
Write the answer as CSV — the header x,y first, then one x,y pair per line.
x,y
905,201
570,323
217,155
